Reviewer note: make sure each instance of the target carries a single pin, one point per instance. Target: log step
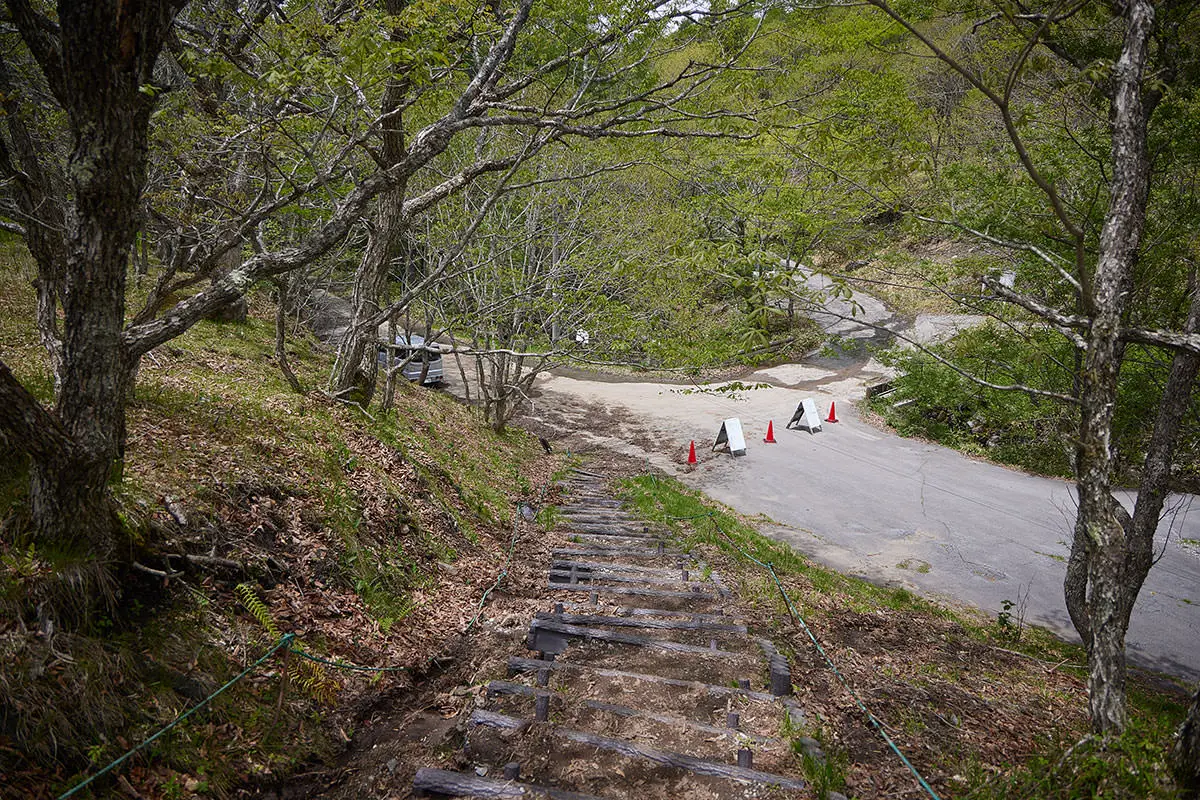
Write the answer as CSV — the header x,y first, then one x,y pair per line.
x,y
673,720
591,505
612,551
633,622
591,526
605,513
616,541
516,665
611,577
567,587
698,766
616,637
627,611
446,783
579,471
611,534
609,566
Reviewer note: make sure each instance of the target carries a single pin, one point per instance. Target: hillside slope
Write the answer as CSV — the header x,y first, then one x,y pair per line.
x,y
257,512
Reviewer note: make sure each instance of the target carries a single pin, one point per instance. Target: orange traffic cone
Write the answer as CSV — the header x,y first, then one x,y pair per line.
x,y
832,413
692,454
770,432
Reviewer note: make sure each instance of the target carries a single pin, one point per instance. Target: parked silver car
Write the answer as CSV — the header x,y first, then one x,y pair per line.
x,y
414,349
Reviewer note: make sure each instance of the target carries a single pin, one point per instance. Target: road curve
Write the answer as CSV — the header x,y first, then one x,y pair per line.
x,y
894,510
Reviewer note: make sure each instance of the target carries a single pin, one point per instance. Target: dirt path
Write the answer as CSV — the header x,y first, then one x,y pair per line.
x,y
628,671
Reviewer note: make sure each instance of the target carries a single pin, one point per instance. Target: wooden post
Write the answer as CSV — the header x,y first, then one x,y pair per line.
x,y
781,676
512,771
745,758
284,674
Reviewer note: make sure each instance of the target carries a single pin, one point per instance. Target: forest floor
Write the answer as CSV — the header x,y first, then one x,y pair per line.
x,y
982,708
395,542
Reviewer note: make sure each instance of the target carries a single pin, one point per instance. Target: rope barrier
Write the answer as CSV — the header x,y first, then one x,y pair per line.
x,y
799,621
284,641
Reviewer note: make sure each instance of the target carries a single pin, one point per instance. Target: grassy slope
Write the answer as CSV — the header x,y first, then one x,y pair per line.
x,y
984,710
372,539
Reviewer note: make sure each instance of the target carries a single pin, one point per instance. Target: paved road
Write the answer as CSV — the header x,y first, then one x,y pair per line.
x,y
868,502
894,510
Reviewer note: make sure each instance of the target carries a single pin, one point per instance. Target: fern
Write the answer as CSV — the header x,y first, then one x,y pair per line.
x,y
257,608
309,676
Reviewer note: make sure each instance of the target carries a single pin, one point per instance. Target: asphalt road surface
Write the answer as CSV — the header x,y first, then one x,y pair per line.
x,y
894,510
868,502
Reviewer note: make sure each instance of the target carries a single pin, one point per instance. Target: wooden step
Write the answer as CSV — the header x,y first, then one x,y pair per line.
x,y
673,720
617,637
516,665
567,587
642,622
698,766
616,566
446,783
592,577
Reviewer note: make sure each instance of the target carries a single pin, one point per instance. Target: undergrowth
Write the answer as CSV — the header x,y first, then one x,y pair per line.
x,y
950,661
340,519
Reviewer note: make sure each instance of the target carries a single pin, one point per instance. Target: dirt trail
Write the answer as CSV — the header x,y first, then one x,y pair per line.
x,y
615,666
644,684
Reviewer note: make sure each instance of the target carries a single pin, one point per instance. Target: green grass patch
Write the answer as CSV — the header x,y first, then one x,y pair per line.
x,y
696,519
1132,766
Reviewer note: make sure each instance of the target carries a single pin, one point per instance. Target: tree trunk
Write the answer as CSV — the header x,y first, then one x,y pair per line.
x,y
97,63
39,192
1100,537
1185,756
1155,482
358,363
283,286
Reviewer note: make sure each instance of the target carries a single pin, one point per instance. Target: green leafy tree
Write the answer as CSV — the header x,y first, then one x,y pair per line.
x,y
1077,215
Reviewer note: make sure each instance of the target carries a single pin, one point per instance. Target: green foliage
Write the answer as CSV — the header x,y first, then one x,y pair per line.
x,y
257,608
1035,433
1132,766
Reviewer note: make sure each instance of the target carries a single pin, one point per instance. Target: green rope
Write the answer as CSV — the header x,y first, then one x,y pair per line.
x,y
796,618
284,641
842,678
343,664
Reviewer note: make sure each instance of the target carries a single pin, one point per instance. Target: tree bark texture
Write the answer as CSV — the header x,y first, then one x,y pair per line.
x,y
37,192
1099,530
97,63
1185,756
358,363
